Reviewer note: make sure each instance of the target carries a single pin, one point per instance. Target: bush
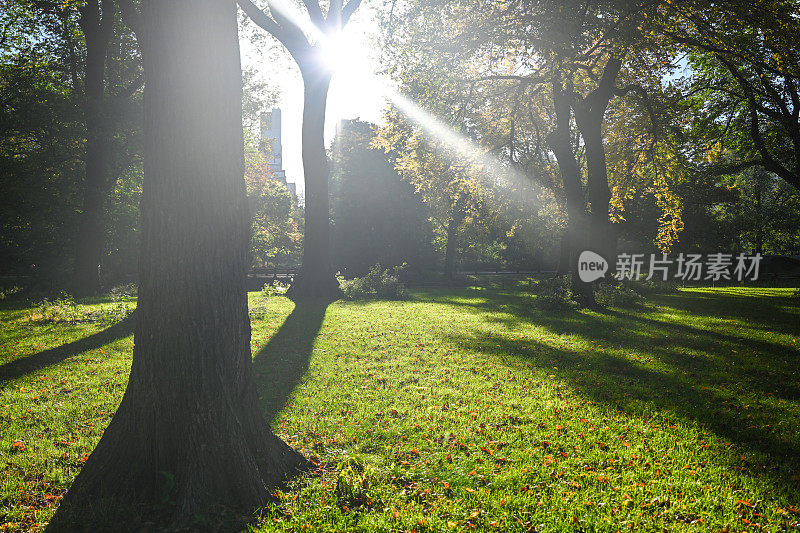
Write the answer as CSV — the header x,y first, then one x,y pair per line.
x,y
276,288
6,292
122,293
617,295
64,309
377,284
554,294
653,286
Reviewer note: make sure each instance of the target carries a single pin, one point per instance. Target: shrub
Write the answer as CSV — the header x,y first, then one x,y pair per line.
x,y
377,284
122,293
276,288
652,286
64,309
260,309
9,291
554,294
617,295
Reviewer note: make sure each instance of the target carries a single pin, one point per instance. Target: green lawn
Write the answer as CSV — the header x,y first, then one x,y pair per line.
x,y
467,409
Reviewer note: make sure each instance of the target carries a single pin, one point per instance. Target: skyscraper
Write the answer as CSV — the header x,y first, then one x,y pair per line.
x,y
271,144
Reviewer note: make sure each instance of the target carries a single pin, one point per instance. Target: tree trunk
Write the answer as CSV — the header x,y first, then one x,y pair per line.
x,y
563,254
451,247
589,115
188,432
316,278
97,32
603,234
759,183
570,172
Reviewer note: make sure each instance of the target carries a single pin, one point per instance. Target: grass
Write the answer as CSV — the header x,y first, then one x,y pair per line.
x,y
467,409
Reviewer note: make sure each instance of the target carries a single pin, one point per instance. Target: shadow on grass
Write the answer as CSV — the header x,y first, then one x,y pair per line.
x,y
280,366
20,367
741,388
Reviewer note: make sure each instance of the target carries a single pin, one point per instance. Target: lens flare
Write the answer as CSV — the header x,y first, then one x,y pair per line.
x,y
489,166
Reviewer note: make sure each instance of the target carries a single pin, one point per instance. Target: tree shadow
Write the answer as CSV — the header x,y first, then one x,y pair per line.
x,y
279,367
20,367
743,389
756,363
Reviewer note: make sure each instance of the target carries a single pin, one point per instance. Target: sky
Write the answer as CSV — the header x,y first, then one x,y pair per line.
x,y
354,91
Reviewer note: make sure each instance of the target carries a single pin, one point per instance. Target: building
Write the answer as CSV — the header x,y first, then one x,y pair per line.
x,y
271,144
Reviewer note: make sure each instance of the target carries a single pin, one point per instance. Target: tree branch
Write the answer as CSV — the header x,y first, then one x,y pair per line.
x,y
348,10
131,17
291,37
315,12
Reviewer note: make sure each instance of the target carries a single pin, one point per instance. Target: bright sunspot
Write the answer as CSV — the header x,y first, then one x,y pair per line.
x,y
347,55
344,54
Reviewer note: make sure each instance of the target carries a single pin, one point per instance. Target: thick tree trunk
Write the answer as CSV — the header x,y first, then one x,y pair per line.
x,y
603,232
589,115
570,172
188,431
316,278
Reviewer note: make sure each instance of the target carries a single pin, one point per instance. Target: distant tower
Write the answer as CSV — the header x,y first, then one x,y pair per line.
x,y
272,147
271,139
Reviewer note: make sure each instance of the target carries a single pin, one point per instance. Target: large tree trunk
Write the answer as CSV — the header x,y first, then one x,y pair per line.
x,y
603,231
188,431
316,278
589,115
570,172
97,30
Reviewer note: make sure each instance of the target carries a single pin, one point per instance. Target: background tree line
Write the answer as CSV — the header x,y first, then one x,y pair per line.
x,y
648,125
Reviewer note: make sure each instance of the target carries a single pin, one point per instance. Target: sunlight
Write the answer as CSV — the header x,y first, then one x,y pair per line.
x,y
356,89
291,12
486,164
344,54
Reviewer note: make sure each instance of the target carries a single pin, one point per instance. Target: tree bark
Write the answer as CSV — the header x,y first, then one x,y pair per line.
x,y
570,172
97,29
188,431
316,278
563,254
589,115
451,247
599,193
